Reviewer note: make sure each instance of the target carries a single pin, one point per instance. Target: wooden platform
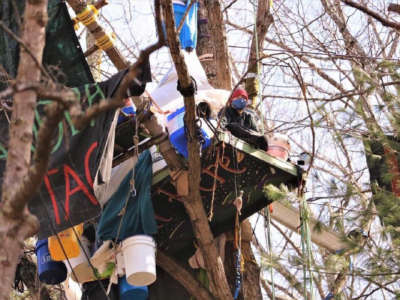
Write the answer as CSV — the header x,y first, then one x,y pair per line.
x,y
240,167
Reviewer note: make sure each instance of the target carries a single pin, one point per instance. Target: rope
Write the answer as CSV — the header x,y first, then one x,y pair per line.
x,y
132,190
88,15
237,235
106,41
269,242
306,245
216,165
188,91
238,275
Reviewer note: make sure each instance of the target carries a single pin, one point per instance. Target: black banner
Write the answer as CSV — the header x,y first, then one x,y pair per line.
x,y
66,196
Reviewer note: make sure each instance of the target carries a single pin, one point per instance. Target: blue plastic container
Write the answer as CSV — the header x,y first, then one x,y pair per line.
x,y
125,113
50,271
188,34
176,129
131,292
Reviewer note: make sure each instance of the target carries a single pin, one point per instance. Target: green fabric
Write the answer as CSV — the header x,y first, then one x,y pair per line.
x,y
62,50
8,46
62,54
139,214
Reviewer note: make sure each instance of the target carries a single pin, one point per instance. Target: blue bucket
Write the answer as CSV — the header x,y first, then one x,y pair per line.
x,y
50,271
131,292
126,112
188,34
177,136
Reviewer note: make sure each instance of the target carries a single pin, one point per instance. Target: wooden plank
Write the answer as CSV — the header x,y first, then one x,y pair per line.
x,y
245,147
290,217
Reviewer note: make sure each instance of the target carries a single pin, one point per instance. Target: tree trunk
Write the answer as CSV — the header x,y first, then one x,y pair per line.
x,y
250,283
264,20
205,46
16,222
193,202
218,38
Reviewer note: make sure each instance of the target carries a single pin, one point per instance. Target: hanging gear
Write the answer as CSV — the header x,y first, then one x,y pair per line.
x,y
190,90
238,255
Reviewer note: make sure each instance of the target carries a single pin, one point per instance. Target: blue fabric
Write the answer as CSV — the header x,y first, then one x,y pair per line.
x,y
139,215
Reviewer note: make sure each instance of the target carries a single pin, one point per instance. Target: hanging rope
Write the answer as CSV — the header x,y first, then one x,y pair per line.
x,y
269,243
238,254
238,202
305,244
132,191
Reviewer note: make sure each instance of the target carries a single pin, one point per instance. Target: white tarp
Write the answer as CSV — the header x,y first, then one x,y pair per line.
x,y
168,97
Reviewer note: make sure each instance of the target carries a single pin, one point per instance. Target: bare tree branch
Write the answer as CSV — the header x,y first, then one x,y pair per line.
x,y
375,15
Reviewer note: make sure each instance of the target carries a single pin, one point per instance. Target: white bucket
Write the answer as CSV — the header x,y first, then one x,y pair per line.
x,y
78,261
120,264
140,261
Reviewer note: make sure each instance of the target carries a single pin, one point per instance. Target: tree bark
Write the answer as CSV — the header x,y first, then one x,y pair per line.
x,y
183,276
193,203
250,283
205,46
218,38
264,20
16,222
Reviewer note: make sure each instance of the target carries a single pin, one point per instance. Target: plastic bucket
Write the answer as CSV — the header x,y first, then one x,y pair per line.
x,y
140,262
278,146
80,259
120,264
50,271
177,136
125,113
69,242
188,34
128,291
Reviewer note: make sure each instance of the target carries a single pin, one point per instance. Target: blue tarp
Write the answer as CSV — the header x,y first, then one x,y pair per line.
x,y
139,214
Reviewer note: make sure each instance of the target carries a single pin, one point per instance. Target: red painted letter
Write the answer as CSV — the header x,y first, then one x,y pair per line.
x,y
87,169
81,187
51,193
